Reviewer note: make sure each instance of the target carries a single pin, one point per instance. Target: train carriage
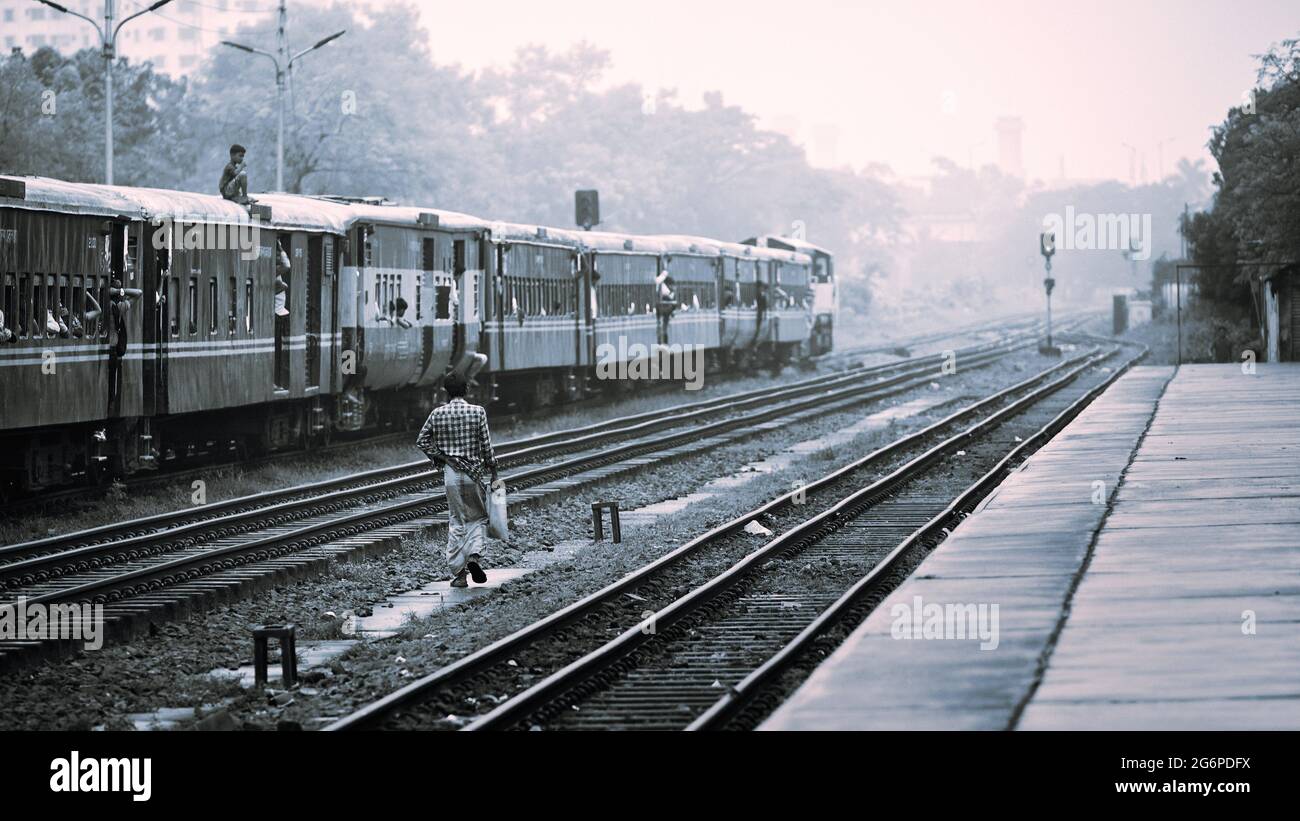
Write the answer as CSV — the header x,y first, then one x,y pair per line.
x,y
790,300
378,302
825,294
693,264
407,304
623,269
60,247
204,335
533,333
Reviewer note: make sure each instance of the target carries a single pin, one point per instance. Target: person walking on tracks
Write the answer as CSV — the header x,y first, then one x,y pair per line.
x,y
456,437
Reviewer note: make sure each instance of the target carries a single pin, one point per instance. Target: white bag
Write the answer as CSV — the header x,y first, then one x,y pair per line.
x,y
498,527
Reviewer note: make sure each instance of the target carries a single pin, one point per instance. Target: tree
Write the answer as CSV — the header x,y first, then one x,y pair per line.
x,y
52,119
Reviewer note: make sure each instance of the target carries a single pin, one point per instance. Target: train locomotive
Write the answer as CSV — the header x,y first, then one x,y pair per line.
x,y
143,325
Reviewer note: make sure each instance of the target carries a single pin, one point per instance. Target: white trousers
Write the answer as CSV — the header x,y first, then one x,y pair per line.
x,y
467,517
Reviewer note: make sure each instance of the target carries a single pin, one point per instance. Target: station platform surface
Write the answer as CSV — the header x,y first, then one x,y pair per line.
x,y
1145,565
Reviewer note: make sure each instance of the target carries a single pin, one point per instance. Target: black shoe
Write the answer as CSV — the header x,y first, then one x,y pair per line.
x,y
476,572
459,581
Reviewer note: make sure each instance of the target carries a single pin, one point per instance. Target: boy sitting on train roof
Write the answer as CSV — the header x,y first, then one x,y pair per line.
x,y
234,177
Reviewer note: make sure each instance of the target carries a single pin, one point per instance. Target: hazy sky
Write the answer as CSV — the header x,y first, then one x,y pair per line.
x,y
862,81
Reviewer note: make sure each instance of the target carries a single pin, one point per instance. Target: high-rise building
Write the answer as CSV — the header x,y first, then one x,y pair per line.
x,y
176,38
1010,160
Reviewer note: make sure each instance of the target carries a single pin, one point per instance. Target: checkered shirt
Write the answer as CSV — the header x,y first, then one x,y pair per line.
x,y
457,432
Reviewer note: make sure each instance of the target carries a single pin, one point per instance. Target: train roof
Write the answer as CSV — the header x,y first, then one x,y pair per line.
x,y
525,232
337,214
305,212
684,244
610,242
786,243
375,209
59,196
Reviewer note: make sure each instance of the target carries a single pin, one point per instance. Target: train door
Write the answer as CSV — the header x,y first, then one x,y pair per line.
x,y
499,280
427,284
461,291
330,312
281,292
154,268
721,266
588,306
315,299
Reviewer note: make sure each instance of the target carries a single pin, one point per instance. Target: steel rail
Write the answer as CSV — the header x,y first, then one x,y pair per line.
x,y
179,522
499,651
741,694
520,705
167,572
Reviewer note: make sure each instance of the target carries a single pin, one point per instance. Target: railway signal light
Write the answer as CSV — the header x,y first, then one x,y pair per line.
x,y
1047,247
586,208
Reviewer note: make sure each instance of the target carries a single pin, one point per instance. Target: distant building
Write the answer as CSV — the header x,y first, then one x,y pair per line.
x,y
176,38
1010,131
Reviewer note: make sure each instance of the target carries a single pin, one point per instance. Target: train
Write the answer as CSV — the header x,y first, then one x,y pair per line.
x,y
143,325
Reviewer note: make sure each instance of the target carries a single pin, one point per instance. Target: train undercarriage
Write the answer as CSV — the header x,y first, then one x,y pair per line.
x,y
99,453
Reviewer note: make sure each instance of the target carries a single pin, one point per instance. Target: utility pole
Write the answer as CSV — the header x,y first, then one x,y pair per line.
x,y
283,64
108,46
108,94
281,48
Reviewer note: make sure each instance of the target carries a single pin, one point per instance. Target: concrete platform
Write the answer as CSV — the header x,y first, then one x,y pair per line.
x,y
1144,566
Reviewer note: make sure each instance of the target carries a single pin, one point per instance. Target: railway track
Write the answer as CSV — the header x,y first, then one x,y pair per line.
x,y
226,455
697,633
1024,322
131,568
226,511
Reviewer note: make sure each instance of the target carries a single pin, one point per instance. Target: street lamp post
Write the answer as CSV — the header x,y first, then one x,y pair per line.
x,y
1047,247
108,41
282,67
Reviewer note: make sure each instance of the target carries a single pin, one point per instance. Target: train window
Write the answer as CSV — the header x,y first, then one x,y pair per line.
x,y
174,305
419,298
86,290
248,305
212,305
232,318
77,305
104,302
41,301
427,262
192,305
51,306
329,257
132,258
65,299
442,304
22,318
8,301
